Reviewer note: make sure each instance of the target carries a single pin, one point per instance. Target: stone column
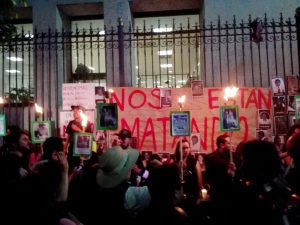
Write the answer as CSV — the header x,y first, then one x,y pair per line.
x,y
119,53
52,62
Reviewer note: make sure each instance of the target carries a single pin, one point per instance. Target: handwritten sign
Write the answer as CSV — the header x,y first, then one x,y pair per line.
x,y
140,111
78,94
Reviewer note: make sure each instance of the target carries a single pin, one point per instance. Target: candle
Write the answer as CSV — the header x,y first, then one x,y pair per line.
x,y
204,193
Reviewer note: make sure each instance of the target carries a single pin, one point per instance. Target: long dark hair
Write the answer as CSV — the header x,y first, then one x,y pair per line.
x,y
177,149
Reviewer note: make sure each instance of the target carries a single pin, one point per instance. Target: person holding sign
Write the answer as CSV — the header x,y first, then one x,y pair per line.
x,y
75,126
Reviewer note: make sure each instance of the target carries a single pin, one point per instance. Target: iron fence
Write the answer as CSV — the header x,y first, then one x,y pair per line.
x,y
34,65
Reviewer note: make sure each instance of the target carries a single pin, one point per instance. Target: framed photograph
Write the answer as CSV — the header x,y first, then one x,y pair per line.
x,y
278,86
281,127
107,116
195,142
292,85
297,107
180,123
2,125
40,131
279,104
82,144
229,118
197,88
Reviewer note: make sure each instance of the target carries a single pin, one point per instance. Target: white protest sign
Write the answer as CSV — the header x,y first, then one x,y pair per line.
x,y
78,94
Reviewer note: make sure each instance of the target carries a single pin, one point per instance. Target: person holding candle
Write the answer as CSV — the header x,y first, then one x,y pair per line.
x,y
220,171
76,126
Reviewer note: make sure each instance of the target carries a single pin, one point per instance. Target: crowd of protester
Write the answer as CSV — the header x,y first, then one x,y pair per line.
x,y
256,183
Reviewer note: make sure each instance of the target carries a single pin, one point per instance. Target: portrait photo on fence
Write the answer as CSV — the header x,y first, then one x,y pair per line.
x,y
281,125
197,88
278,86
292,85
2,125
279,104
83,144
99,94
40,131
165,97
264,119
229,118
195,142
107,116
180,123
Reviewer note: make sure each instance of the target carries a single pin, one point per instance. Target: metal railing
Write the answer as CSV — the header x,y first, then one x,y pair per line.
x,y
34,65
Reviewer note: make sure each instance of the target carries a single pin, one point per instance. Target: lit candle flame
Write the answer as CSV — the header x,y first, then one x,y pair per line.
x,y
38,109
1,100
181,99
84,119
230,92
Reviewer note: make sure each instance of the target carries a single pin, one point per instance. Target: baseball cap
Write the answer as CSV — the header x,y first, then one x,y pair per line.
x,y
77,107
124,133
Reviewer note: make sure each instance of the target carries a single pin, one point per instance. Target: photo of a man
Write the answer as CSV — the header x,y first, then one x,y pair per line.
x,y
292,85
264,121
278,86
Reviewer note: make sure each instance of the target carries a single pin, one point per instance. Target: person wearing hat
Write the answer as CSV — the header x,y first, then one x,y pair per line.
x,y
75,126
120,202
125,137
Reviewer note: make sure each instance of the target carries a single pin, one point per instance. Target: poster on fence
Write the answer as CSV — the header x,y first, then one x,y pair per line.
x,y
140,111
78,94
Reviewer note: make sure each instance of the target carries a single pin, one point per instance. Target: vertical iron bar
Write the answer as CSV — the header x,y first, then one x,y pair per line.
x,y
297,17
267,46
152,60
138,58
289,24
235,51
274,44
121,53
145,54
220,55
227,52
181,53
243,52
203,39
49,111
211,54
251,54
282,43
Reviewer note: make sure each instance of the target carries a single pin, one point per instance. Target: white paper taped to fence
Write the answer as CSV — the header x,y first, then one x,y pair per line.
x,y
78,94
